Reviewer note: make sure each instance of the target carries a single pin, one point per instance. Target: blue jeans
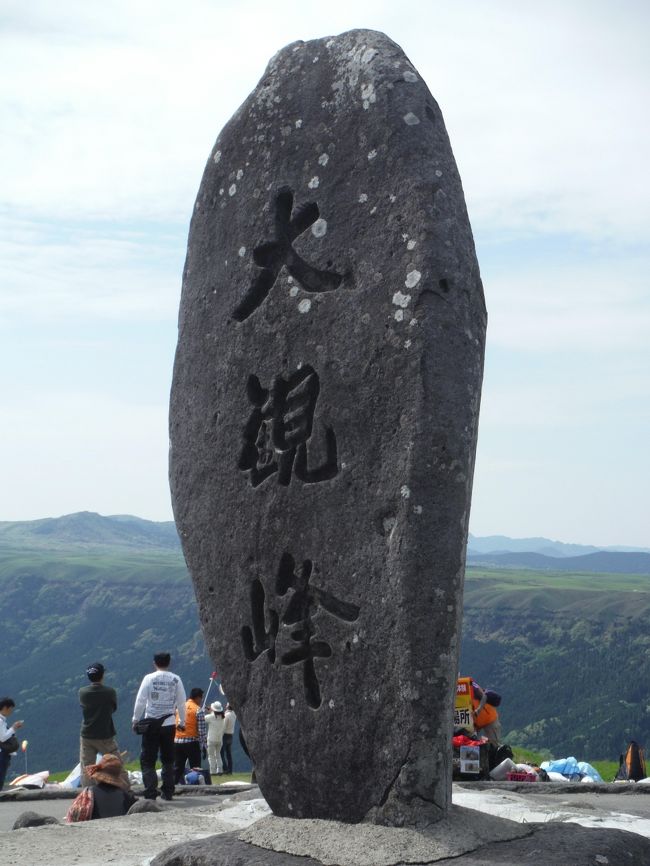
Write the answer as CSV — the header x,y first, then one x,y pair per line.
x,y
5,760
226,753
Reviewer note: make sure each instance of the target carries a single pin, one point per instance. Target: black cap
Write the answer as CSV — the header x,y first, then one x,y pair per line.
x,y
95,669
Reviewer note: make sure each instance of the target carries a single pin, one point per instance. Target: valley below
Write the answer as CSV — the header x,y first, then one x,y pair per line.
x,y
569,651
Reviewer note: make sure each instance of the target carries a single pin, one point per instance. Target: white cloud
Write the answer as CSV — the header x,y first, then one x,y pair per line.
x,y
84,451
55,273
114,110
545,117
597,305
568,399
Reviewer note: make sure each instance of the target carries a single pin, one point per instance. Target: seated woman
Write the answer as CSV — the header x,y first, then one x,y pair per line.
x,y
112,795
486,717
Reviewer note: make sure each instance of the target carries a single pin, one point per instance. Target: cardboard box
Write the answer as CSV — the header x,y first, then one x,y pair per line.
x,y
470,763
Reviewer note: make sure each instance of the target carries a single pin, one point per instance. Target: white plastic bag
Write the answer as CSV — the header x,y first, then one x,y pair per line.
x,y
499,773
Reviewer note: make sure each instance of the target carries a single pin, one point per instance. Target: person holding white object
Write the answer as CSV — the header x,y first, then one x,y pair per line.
x,y
216,723
7,736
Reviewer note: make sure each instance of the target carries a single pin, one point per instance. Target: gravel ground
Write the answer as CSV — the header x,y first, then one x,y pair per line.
x,y
130,841
135,840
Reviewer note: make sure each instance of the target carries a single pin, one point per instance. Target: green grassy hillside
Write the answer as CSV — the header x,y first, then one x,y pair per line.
x,y
72,566
612,562
570,654
89,530
61,611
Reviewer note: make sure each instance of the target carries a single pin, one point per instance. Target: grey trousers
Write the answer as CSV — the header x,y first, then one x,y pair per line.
x,y
88,750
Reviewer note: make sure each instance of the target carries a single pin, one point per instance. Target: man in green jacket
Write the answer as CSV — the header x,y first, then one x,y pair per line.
x,y
98,703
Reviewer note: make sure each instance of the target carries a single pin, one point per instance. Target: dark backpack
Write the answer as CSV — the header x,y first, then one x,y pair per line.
x,y
10,745
632,764
502,753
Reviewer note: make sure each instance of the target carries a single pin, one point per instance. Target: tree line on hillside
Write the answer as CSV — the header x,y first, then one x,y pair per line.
x,y
54,628
570,685
573,683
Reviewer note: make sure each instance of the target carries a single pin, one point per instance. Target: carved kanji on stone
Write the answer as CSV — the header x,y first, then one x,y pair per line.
x,y
272,256
304,602
277,434
260,637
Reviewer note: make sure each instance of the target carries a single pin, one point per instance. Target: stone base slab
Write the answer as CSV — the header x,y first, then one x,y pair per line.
x,y
551,844
333,843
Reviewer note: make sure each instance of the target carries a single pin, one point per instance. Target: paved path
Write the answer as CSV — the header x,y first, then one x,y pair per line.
x,y
9,811
57,807
130,841
623,808
135,840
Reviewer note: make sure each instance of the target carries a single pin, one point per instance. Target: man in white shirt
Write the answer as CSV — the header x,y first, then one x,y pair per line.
x,y
160,695
6,709
226,747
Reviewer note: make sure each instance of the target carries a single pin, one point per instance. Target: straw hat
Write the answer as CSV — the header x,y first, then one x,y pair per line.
x,y
108,770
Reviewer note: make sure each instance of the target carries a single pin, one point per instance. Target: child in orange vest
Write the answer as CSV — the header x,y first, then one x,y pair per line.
x,y
190,742
486,717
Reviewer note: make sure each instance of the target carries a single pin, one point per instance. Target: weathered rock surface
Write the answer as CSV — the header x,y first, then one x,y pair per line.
x,y
544,845
323,424
225,849
332,842
143,805
32,819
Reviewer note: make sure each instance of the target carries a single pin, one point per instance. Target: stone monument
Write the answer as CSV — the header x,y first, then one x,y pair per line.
x,y
324,415
323,426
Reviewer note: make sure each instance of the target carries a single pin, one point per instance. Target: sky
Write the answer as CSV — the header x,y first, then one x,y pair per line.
x,y
108,112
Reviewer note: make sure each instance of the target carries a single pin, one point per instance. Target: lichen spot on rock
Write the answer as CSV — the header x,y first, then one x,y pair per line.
x,y
412,279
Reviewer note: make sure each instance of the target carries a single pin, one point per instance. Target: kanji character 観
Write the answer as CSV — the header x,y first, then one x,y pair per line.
x,y
278,432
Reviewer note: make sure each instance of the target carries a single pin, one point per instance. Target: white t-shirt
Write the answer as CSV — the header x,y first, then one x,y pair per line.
x,y
216,725
161,693
5,730
231,718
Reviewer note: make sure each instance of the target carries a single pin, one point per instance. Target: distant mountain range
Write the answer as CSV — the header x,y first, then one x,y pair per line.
x,y
603,561
88,531
503,544
542,554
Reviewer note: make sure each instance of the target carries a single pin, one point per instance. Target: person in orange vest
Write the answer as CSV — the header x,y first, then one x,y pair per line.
x,y
190,742
486,717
